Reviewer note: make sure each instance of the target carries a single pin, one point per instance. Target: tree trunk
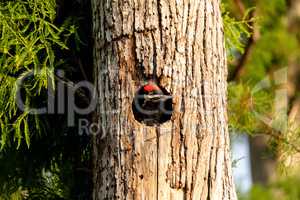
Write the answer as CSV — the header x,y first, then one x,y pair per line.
x,y
180,45
263,163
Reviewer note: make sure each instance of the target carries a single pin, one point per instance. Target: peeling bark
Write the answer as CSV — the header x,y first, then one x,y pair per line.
x,y
179,43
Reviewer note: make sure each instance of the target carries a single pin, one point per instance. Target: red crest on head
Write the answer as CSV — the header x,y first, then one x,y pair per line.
x,y
150,88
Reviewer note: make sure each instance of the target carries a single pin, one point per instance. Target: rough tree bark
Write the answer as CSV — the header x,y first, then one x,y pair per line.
x,y
181,43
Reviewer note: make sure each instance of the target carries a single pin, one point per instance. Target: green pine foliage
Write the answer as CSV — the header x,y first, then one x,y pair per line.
x,y
236,31
32,47
272,50
254,92
245,104
29,39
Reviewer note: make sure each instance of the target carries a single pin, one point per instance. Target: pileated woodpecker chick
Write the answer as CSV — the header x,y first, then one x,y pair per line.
x,y
151,105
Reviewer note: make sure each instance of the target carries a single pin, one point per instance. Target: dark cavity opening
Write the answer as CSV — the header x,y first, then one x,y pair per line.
x,y
152,107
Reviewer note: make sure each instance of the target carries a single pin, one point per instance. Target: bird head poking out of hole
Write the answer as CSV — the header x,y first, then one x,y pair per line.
x,y
152,105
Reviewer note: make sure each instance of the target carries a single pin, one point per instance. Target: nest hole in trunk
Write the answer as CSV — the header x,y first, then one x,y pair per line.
x,y
152,108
